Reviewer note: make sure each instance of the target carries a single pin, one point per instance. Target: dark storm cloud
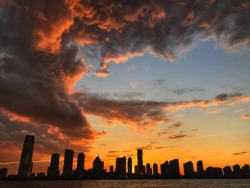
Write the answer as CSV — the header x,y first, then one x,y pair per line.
x,y
36,74
121,29
146,113
39,42
142,113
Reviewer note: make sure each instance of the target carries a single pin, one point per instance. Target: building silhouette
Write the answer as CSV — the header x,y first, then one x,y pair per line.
x,y
80,162
136,169
188,169
163,170
53,170
80,166
228,173
174,168
68,163
214,172
98,168
140,162
25,166
129,165
168,169
200,169
155,169
148,169
120,166
245,171
111,169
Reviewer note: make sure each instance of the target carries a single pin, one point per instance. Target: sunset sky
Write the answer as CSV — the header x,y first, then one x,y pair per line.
x,y
111,76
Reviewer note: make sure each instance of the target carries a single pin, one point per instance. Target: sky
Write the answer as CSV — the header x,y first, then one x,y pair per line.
x,y
169,77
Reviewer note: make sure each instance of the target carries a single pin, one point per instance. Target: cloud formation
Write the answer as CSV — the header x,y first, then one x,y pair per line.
x,y
135,112
40,43
240,153
245,116
178,136
186,90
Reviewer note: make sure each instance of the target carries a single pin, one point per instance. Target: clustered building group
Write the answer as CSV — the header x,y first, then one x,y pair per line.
x,y
123,169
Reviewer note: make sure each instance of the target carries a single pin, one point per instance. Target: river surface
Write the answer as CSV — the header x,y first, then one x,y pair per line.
x,y
229,183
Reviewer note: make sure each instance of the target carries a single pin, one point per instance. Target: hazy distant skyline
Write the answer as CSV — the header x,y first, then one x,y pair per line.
x,y
169,77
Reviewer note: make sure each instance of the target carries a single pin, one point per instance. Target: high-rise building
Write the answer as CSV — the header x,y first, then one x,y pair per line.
x,y
155,169
200,169
245,171
228,173
174,168
121,165
26,157
214,172
148,169
98,168
140,161
163,170
80,162
53,169
68,162
188,169
130,165
237,171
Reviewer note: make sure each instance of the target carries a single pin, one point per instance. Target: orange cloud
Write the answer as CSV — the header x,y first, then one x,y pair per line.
x,y
245,116
15,117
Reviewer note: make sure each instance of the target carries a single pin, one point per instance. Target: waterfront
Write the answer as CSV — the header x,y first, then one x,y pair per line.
x,y
229,183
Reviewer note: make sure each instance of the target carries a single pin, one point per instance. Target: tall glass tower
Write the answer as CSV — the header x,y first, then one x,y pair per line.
x,y
26,157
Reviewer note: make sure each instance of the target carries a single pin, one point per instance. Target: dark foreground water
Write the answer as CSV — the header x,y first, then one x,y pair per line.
x,y
126,183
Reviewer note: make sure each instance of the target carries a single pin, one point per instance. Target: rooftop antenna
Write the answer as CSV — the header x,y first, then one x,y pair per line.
x,y
67,144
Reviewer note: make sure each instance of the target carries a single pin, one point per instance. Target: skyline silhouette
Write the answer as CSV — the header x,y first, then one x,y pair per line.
x,y
113,76
123,168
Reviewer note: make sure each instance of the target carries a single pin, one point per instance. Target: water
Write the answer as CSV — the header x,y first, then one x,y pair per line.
x,y
230,183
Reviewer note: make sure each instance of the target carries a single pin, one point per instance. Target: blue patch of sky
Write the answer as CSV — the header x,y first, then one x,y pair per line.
x,y
206,66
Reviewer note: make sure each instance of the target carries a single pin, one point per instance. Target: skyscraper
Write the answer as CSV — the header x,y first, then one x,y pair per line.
x,y
98,168
130,165
188,169
155,169
26,157
68,162
200,170
148,169
174,168
140,161
121,166
228,173
53,169
80,162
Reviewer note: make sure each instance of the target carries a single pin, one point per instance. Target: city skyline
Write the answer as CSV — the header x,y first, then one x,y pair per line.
x,y
113,76
123,168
